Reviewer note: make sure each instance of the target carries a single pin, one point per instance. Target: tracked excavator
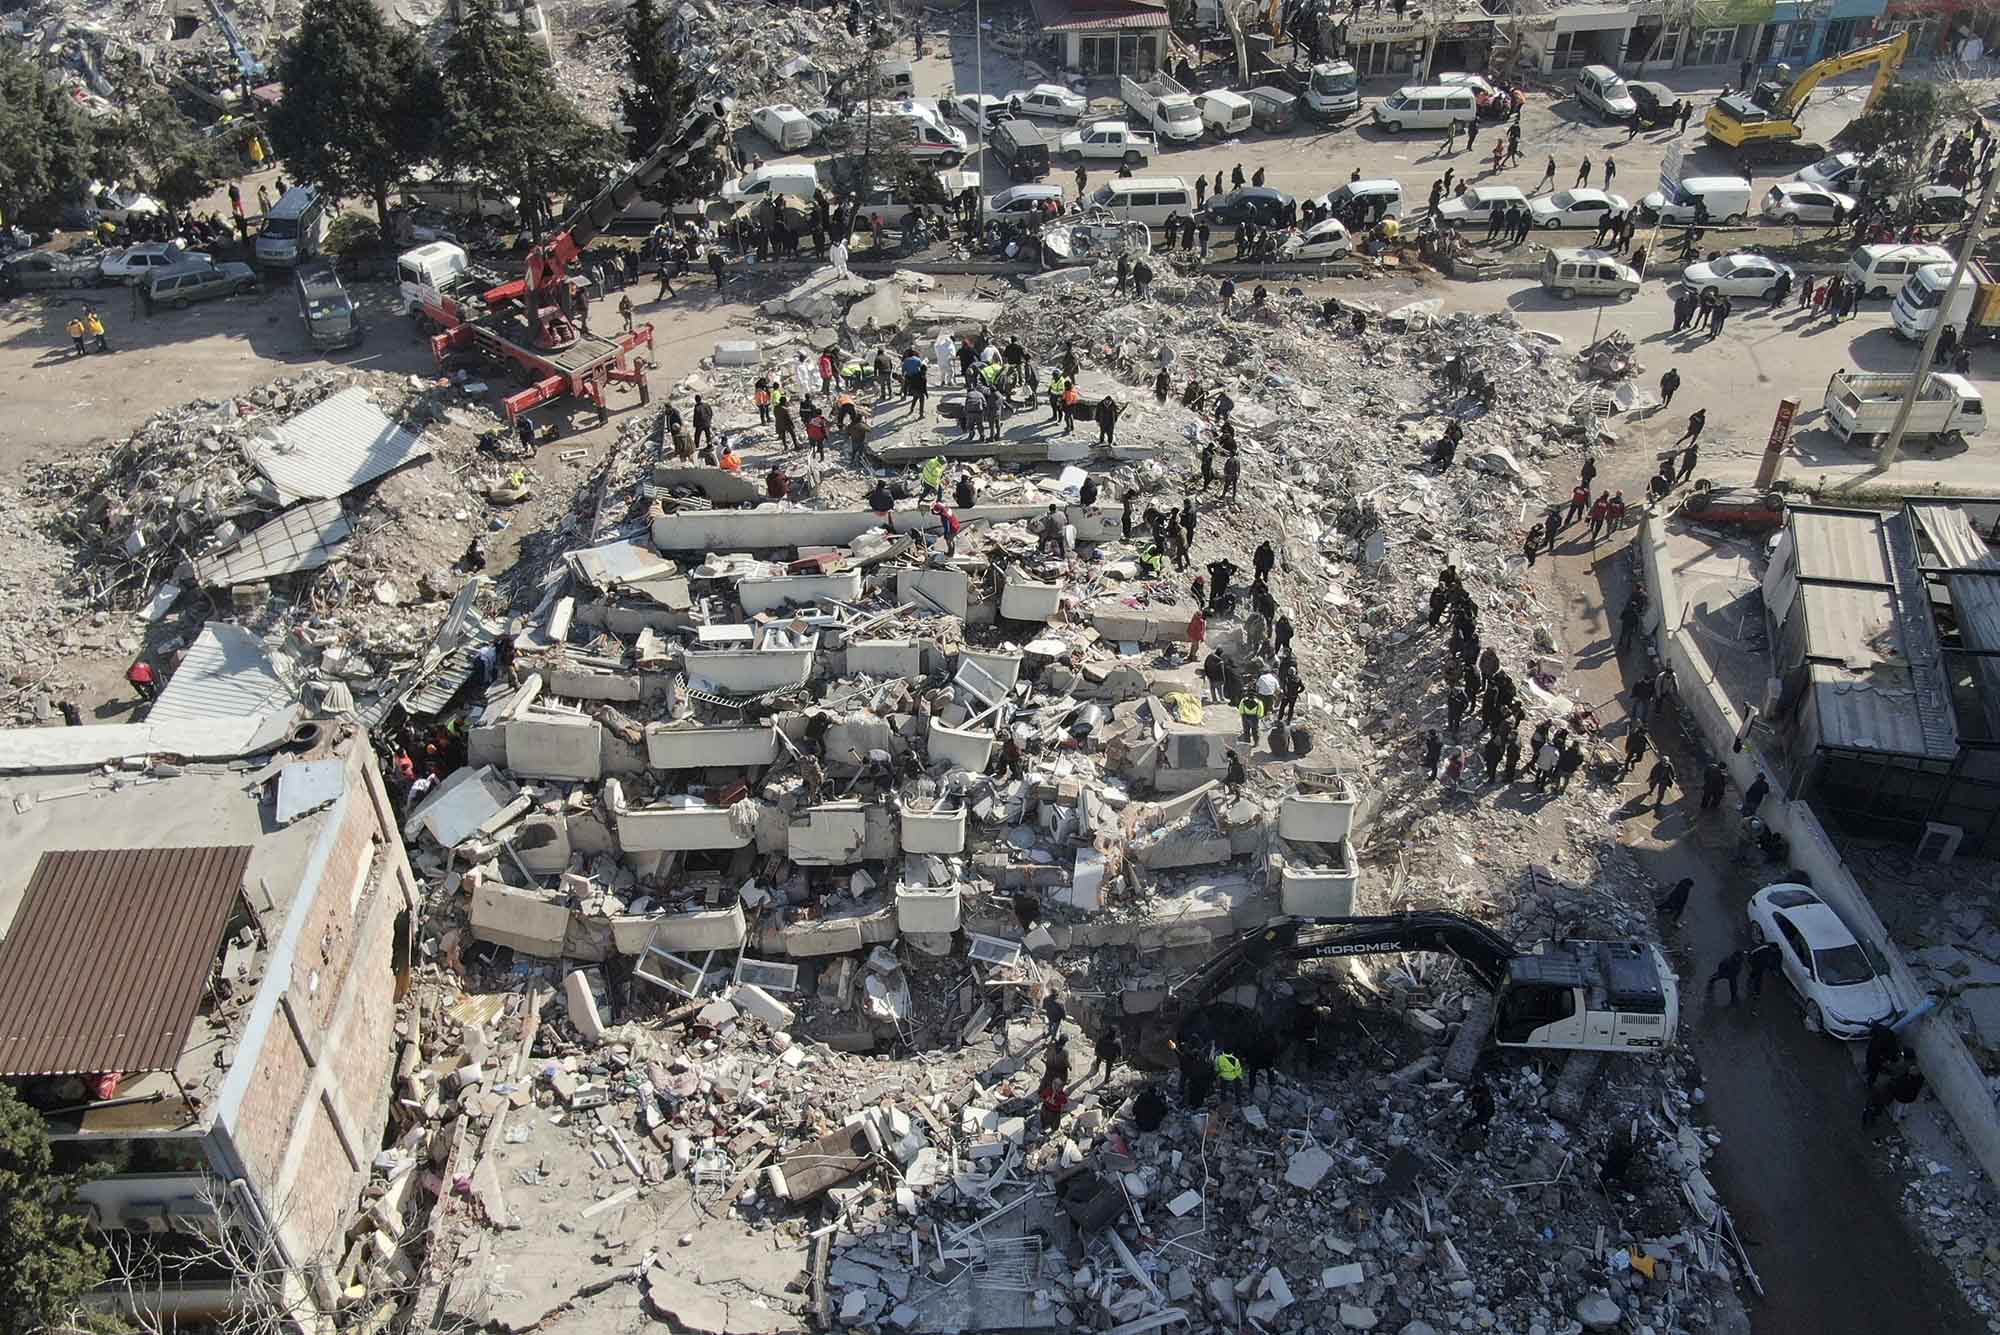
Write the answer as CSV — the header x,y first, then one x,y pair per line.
x,y
1763,117
1584,997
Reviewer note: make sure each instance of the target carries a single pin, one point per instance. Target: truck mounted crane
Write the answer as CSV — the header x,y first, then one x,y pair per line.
x,y
530,324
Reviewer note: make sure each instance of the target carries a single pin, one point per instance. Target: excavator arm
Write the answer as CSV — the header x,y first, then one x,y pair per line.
x,y
1888,56
1484,951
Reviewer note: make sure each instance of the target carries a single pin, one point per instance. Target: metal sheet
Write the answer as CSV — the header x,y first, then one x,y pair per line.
x,y
56,750
304,537
453,813
1840,544
333,447
226,673
104,966
307,786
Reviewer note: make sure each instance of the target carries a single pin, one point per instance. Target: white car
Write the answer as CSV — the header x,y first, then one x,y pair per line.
x,y
1574,208
133,263
1736,276
783,124
968,107
1018,201
1326,239
1049,99
1790,202
1835,979
120,204
1836,171
1477,204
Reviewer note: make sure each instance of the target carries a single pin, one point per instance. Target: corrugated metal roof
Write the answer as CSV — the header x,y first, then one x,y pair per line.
x,y
304,537
1062,16
333,447
1975,598
1853,626
1840,544
1873,710
106,962
226,673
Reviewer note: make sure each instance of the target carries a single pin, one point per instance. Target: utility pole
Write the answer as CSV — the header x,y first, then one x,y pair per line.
x,y
1894,445
979,91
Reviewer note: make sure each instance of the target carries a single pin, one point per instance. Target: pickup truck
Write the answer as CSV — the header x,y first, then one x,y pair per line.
x,y
1862,405
1165,106
1108,141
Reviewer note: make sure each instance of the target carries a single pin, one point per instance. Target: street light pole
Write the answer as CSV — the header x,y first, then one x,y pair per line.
x,y
979,91
1894,445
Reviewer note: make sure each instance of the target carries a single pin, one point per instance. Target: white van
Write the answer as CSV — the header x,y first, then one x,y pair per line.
x,y
294,227
1588,273
1882,270
1224,113
796,179
1147,199
1727,198
912,127
1385,193
1428,108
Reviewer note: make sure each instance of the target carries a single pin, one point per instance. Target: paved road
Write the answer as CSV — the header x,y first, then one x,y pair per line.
x,y
1820,1217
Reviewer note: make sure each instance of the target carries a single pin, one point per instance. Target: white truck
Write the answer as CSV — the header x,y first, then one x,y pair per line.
x,y
1973,309
1164,105
1333,90
1863,405
1108,141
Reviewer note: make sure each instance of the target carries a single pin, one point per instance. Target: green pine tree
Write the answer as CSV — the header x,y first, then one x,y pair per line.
x,y
45,147
361,106
47,1259
507,124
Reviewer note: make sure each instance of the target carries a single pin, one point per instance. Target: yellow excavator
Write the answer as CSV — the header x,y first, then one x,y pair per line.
x,y
1763,116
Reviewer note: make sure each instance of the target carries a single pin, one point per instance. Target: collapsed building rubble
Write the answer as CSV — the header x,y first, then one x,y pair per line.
x,y
753,832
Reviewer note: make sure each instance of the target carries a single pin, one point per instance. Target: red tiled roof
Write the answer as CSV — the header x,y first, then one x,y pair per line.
x,y
1062,16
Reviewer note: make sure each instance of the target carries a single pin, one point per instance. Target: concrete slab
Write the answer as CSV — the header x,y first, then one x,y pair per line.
x,y
830,835
784,528
934,591
960,749
926,910
707,929
1024,599
582,1006
886,658
756,1002
770,593
523,920
1316,817
933,831
709,748
748,671
553,746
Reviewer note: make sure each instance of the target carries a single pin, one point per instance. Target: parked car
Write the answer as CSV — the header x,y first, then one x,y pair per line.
x,y
1571,273
189,283
1051,100
1477,204
1935,204
1253,203
1654,104
119,204
1602,89
1019,201
39,270
135,262
968,107
1736,275
783,124
1495,104
1835,171
1326,239
1272,109
1790,202
1575,208
1836,981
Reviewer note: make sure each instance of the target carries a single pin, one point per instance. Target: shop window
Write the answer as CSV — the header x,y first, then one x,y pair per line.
x,y
1712,46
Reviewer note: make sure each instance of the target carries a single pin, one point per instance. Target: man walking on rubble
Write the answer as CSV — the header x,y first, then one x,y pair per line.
x,y
1052,1010
1251,707
1232,475
1109,1049
1659,780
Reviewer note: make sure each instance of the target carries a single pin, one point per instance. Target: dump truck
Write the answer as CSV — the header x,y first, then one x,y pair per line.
x,y
1973,309
1862,406
1108,141
1163,104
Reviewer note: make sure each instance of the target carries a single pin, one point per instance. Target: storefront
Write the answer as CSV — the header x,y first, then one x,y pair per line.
x,y
1804,31
1730,33
1464,45
1107,38
1386,46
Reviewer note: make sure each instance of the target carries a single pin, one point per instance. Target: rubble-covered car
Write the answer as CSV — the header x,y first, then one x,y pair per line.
x,y
970,108
39,270
1835,171
1574,208
1745,275
135,262
1253,203
1656,104
830,127
1837,982
1049,99
1495,103
1326,239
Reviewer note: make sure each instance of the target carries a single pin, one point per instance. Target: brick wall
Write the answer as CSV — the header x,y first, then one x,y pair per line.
x,y
307,1130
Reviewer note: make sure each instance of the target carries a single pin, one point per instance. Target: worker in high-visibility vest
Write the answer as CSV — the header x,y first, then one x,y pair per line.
x,y
1252,710
933,478
1227,1069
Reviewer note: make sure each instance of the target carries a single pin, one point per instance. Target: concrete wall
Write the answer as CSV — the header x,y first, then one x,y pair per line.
x,y
301,1113
933,832
661,829
1024,599
886,658
934,591
749,670
704,531
707,748
927,910
829,835
964,750
765,595
1953,1074
1315,818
